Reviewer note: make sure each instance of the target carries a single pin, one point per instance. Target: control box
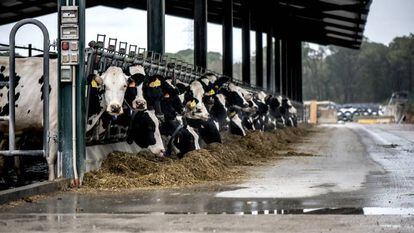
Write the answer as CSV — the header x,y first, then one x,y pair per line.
x,y
69,31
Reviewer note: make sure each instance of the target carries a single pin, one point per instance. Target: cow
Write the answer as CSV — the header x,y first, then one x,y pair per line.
x,y
197,115
158,107
241,102
29,98
144,126
29,103
261,118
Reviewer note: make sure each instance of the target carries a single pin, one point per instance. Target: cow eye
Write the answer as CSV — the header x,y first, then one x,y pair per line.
x,y
125,86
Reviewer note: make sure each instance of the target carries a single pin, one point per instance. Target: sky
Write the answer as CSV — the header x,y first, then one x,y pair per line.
x,y
387,19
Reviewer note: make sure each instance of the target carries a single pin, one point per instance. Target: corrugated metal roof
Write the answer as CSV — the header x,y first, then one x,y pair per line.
x,y
327,22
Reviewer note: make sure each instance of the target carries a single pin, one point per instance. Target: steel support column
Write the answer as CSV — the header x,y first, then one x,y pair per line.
x,y
81,95
289,68
269,59
259,55
228,38
299,73
67,99
246,42
156,25
284,65
200,33
277,65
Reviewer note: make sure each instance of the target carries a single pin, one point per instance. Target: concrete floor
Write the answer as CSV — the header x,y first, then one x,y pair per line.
x,y
362,180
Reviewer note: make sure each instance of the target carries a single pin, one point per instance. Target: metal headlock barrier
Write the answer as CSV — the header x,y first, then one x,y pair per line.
x,y
100,57
11,118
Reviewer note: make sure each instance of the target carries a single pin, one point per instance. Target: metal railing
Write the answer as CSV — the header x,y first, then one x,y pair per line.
x,y
11,118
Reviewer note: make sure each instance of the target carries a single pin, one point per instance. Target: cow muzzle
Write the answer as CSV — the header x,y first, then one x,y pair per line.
x,y
139,104
114,109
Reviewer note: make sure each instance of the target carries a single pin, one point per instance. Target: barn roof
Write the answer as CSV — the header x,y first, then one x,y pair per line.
x,y
326,22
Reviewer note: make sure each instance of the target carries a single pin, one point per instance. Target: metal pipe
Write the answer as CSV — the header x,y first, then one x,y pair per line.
x,y
12,70
75,171
22,152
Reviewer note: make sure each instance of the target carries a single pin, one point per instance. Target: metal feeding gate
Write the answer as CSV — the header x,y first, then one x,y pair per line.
x,y
100,58
11,118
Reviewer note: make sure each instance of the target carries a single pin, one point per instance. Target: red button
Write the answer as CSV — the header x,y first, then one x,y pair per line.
x,y
65,45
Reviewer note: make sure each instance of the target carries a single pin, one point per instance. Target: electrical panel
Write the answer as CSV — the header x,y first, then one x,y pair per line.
x,y
69,34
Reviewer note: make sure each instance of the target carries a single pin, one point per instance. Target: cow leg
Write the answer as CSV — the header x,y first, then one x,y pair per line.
x,y
51,159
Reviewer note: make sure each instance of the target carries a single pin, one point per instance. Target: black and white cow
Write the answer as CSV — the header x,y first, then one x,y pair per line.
x,y
29,101
29,97
196,113
144,126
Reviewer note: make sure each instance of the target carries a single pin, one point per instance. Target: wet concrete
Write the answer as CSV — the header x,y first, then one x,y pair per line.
x,y
362,171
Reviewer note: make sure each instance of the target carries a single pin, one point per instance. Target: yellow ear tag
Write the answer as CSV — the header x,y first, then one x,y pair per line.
x,y
212,92
232,114
191,104
94,84
156,83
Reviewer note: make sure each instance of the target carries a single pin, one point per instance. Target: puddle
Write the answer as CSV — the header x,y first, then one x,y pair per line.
x,y
389,145
313,211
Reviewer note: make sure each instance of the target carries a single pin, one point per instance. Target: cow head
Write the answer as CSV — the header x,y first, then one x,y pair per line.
x,y
134,95
115,83
193,101
172,98
153,94
234,96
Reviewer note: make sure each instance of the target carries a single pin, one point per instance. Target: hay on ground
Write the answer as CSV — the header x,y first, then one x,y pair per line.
x,y
215,163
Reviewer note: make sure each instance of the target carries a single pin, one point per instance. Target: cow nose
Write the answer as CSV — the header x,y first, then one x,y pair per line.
x,y
115,108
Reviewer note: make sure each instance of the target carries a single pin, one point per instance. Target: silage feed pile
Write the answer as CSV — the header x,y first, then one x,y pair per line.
x,y
215,163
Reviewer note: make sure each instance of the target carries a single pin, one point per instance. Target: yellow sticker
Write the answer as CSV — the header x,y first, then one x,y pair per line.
x,y
94,84
191,104
156,83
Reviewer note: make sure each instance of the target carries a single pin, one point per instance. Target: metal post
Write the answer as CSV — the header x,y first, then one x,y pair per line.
x,y
65,112
284,67
30,50
80,95
277,64
300,99
228,38
269,59
259,55
246,42
200,33
156,25
12,71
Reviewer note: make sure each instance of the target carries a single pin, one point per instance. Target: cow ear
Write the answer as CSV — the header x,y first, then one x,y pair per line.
x,y
94,80
182,88
98,79
222,80
137,69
